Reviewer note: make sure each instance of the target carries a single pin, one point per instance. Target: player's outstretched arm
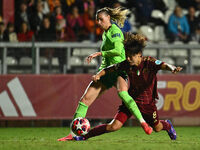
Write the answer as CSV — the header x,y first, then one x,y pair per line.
x,y
173,69
90,57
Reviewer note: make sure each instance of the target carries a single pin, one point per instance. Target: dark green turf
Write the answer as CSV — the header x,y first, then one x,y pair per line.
x,y
131,138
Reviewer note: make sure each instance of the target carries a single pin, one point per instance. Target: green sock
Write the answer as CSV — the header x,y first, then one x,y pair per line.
x,y
131,105
81,110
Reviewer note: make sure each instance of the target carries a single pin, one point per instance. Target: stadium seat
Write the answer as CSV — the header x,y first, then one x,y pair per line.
x,y
75,61
181,61
197,13
171,4
195,52
11,61
87,51
196,61
185,11
168,60
193,43
55,61
167,15
159,33
76,52
147,31
157,14
25,61
150,52
131,19
179,53
44,61
83,51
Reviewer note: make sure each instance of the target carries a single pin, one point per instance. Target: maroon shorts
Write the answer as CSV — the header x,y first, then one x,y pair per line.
x,y
149,113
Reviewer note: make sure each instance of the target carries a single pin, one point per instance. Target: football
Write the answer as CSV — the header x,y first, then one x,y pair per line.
x,y
80,126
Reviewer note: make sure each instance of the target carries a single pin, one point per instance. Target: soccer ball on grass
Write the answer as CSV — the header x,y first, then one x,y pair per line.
x,y
80,126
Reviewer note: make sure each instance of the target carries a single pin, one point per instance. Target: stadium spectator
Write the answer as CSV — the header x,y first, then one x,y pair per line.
x,y
61,34
57,12
87,4
10,34
53,4
2,31
75,23
23,15
47,32
25,34
178,26
144,9
37,17
127,25
160,5
197,30
45,4
192,21
90,24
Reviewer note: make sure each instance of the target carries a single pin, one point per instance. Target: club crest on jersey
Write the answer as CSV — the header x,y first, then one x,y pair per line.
x,y
158,62
116,34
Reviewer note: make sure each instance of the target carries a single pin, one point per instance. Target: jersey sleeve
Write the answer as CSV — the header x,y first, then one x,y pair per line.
x,y
154,63
116,37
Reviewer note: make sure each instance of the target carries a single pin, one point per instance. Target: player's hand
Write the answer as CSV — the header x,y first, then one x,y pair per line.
x,y
95,78
177,69
90,57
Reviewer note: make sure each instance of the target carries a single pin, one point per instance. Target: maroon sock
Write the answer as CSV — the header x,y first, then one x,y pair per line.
x,y
98,130
166,125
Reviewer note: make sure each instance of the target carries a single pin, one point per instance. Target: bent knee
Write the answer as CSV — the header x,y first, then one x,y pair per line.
x,y
157,128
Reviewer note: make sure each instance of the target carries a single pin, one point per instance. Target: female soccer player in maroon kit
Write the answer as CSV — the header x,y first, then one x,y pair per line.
x,y
143,88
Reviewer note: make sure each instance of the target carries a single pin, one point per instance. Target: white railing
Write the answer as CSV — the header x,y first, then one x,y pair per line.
x,y
36,47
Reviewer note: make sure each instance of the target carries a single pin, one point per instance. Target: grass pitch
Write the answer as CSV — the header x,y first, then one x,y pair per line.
x,y
127,138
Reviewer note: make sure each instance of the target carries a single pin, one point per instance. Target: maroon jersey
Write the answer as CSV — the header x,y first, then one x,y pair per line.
x,y
143,80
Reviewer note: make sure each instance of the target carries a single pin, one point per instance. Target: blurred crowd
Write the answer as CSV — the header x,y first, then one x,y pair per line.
x,y
74,20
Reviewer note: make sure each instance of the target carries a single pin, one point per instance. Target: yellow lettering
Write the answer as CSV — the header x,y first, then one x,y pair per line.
x,y
173,98
185,102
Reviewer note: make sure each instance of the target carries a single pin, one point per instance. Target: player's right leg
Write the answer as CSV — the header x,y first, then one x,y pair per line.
x,y
93,90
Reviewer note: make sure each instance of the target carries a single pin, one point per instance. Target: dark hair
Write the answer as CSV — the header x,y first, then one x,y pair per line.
x,y
134,43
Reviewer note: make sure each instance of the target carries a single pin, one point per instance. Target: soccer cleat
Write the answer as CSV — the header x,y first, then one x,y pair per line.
x,y
171,132
79,138
147,129
66,138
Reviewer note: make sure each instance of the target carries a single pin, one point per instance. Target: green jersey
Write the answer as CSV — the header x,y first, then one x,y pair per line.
x,y
112,47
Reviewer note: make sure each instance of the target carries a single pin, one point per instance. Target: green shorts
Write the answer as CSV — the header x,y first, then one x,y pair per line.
x,y
110,79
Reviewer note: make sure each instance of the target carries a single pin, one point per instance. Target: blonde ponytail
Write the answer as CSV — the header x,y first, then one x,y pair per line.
x,y
117,15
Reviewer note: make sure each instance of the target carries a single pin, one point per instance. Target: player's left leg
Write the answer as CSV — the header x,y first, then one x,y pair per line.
x,y
101,129
118,121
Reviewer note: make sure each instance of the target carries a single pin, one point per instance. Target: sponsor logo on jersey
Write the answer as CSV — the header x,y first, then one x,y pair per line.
x,y
116,35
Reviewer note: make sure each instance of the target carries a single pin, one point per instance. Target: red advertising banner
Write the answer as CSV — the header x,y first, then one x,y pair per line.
x,y
57,96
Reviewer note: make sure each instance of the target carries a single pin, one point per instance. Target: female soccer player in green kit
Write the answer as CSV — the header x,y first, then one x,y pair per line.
x,y
112,52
